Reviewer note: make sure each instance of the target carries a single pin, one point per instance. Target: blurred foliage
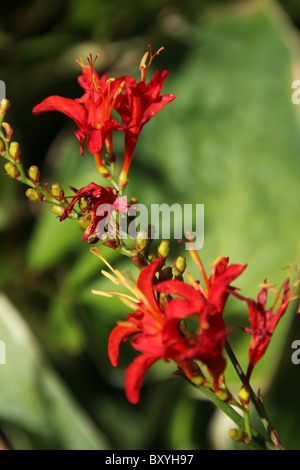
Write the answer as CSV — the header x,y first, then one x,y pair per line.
x,y
230,140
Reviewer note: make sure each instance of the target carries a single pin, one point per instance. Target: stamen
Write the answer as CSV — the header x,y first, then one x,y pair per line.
x,y
143,67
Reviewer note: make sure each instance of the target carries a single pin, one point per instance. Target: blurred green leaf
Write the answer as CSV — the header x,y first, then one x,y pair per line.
x,y
38,402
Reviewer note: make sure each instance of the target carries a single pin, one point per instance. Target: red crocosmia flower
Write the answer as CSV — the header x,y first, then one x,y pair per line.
x,y
91,112
263,322
153,334
207,304
159,330
137,106
95,196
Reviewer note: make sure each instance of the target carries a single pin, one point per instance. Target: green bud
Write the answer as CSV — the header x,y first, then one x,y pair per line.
x,y
57,210
15,151
82,203
34,174
180,264
141,241
244,395
34,195
176,274
4,105
123,179
57,191
236,434
11,170
83,222
151,257
164,249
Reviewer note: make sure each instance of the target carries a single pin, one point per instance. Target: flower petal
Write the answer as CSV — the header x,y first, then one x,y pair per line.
x,y
63,105
135,374
119,334
145,281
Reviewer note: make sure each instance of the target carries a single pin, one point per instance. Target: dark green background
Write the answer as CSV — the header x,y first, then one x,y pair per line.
x,y
230,140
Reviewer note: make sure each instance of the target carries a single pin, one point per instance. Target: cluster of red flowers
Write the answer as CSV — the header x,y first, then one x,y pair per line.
x,y
135,102
159,325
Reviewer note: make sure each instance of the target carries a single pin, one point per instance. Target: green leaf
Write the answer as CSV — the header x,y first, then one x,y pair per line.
x,y
32,396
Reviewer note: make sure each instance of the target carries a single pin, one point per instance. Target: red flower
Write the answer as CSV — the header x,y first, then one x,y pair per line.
x,y
95,196
137,106
91,112
154,335
263,322
158,328
207,304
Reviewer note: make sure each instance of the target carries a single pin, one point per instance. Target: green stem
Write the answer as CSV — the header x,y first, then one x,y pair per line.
x,y
257,442
261,411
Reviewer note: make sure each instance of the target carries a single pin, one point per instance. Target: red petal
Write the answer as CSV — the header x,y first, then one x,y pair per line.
x,y
119,334
145,281
180,288
135,375
64,105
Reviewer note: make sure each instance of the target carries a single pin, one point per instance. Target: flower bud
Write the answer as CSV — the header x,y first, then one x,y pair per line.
x,y
236,434
137,259
164,249
34,174
244,396
11,170
176,274
109,242
83,203
15,151
141,241
58,210
180,264
165,273
57,191
123,179
34,195
83,222
4,105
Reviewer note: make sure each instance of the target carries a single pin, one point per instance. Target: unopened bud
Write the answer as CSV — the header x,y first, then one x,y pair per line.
x,y
151,257
83,203
137,259
141,241
164,249
244,395
223,394
11,170
15,151
34,195
109,242
123,179
165,273
180,264
4,105
58,210
57,191
236,434
176,274
83,222
34,174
